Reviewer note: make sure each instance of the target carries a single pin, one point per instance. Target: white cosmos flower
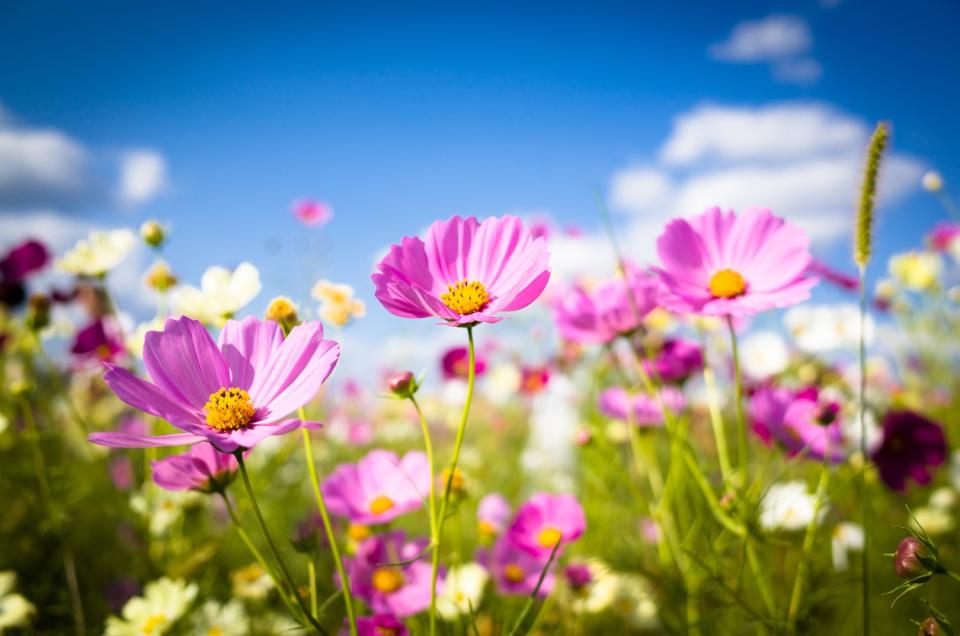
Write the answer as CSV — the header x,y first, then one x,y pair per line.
x,y
15,610
222,293
821,329
932,181
462,590
502,383
164,508
916,270
98,253
163,602
229,619
847,537
764,353
788,506
251,583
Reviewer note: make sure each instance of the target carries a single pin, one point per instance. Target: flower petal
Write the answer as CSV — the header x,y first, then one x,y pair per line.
x,y
248,345
184,361
125,440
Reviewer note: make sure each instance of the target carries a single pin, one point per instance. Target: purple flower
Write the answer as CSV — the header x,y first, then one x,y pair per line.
x,y
545,520
800,421
23,260
615,308
719,264
379,625
676,361
455,363
379,488
942,235
911,444
464,271
515,570
101,339
202,468
388,588
836,277
493,514
233,393
578,576
639,409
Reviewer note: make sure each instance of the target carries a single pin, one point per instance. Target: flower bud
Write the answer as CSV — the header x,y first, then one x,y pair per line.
x,y
403,384
584,437
38,312
930,627
907,559
932,182
457,483
153,233
160,277
578,576
283,311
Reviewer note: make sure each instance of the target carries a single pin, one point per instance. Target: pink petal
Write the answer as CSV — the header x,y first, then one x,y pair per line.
x,y
184,361
247,346
124,440
142,395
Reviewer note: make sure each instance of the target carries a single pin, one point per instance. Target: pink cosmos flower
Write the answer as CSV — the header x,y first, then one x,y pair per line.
x,y
676,361
639,408
799,421
464,271
378,625
942,235
387,587
312,213
379,488
719,264
493,514
834,276
201,468
544,520
455,363
515,570
615,308
100,340
232,393
534,379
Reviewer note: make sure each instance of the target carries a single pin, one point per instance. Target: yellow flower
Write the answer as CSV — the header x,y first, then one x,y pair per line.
x,y
98,253
163,603
337,303
919,271
15,610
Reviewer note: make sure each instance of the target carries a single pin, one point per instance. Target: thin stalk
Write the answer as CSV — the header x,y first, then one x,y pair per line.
x,y
758,573
536,590
457,444
431,498
803,568
312,573
864,504
328,529
716,420
273,548
741,418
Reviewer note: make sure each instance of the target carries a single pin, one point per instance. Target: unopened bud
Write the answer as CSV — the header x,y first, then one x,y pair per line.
x,y
160,277
403,384
283,311
153,233
457,483
907,561
930,627
38,312
932,182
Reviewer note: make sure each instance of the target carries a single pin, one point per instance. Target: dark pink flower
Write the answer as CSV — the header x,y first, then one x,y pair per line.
x,y
942,235
388,575
455,363
836,277
515,570
639,408
799,421
911,445
312,213
615,308
101,339
544,520
379,488
719,264
379,625
676,361
201,468
534,379
23,260
232,393
464,271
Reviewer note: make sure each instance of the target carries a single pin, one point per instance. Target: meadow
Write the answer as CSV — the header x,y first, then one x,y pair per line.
x,y
668,468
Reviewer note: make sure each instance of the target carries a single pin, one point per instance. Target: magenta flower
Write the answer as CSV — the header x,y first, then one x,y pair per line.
x,y
911,445
615,308
578,576
455,363
942,235
201,468
379,625
464,271
24,259
377,576
534,378
639,408
544,520
379,488
799,421
842,280
493,514
718,264
101,339
515,570
676,361
233,393
312,213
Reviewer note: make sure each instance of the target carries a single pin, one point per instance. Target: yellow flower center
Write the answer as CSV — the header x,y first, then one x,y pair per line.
x,y
380,630
486,529
457,484
549,537
216,630
387,580
466,297
727,284
154,622
381,504
229,409
358,532
514,573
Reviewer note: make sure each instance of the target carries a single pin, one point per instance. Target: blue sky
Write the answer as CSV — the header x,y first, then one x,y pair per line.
x,y
402,115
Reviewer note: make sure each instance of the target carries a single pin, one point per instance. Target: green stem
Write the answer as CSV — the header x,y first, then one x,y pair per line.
x,y
328,529
864,504
758,573
431,500
803,568
716,420
741,418
273,548
457,444
536,590
312,573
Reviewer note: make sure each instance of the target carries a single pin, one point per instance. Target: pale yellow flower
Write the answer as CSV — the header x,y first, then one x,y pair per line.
x,y
163,603
98,253
222,293
919,271
337,303
463,590
932,181
15,610
251,583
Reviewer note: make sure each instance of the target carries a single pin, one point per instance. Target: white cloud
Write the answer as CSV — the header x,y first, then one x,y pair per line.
x,y
803,161
143,174
783,41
